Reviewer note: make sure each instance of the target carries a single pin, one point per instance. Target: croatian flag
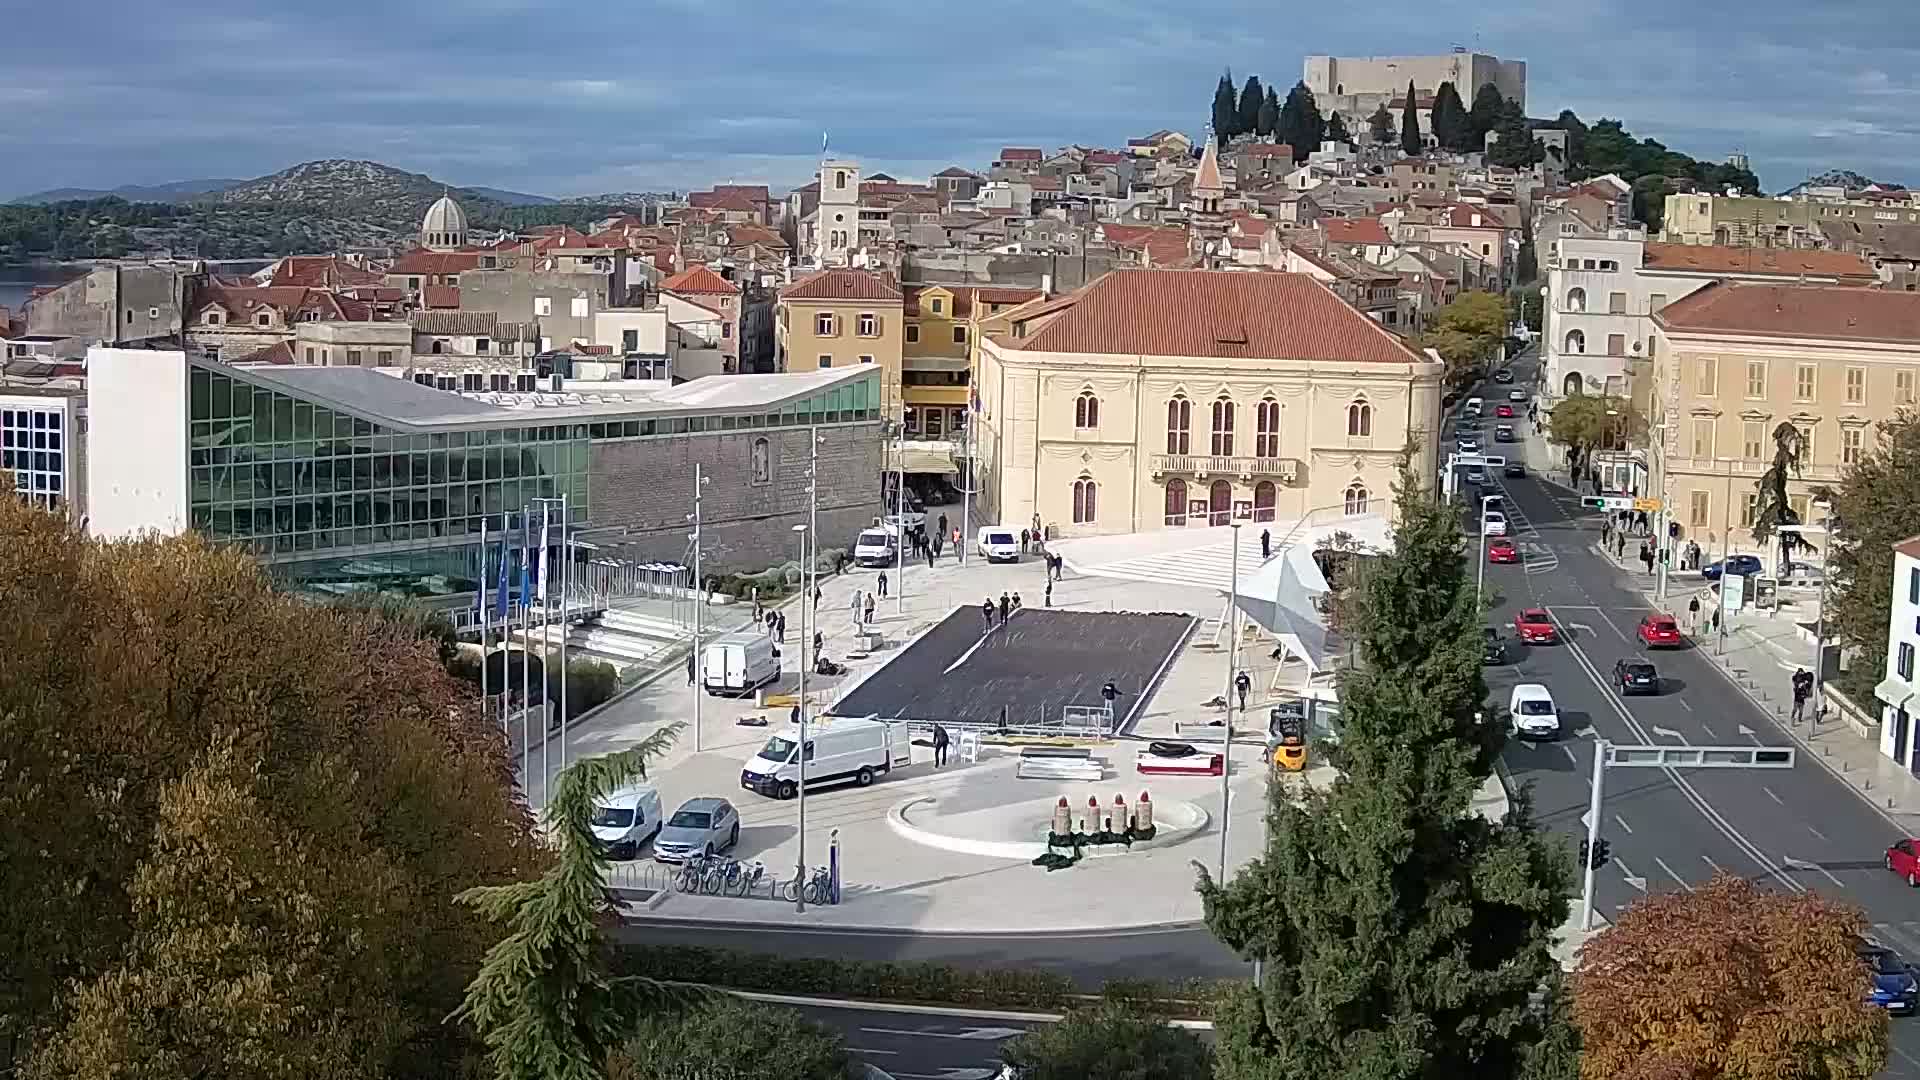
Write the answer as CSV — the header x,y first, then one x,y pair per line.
x,y
823,144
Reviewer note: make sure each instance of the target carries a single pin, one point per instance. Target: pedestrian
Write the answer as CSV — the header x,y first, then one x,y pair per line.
x,y
853,605
780,625
1036,527
1606,532
1802,689
819,643
987,610
839,562
1716,620
772,618
1016,601
937,538
1006,606
1242,683
939,746
1646,556
883,584
816,598
794,717
943,524
1059,564
1266,543
869,609
1693,612
930,556
1025,538
692,653
1049,592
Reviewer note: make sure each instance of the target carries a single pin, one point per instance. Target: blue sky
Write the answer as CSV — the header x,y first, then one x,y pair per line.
x,y
564,97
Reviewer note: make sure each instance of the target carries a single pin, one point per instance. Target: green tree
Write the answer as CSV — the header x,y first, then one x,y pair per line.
x,y
1380,126
1773,506
1515,147
1300,125
1247,116
1226,110
1451,125
1337,130
1526,305
1878,502
1403,935
1584,423
1728,980
546,1002
1269,117
1109,1042
1467,332
1410,141
1484,113
728,1038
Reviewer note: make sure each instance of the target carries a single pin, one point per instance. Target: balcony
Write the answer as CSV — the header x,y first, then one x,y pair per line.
x,y
1202,466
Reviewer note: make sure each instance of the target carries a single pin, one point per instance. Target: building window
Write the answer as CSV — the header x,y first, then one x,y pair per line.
x,y
1266,429
1803,381
868,324
1576,342
826,360
1806,454
1756,380
866,358
1177,505
1753,439
310,356
413,284
472,382
1856,385
823,324
386,357
1576,300
1656,301
1086,411
482,346
263,319
1698,509
1702,439
1179,425
959,335
543,305
581,309
629,341
1706,372
1616,303
1356,501
1264,497
913,334
1359,419
1223,428
1903,661
1085,501
1913,586
1749,509
939,305
212,318
762,461
1616,344
1852,440
353,358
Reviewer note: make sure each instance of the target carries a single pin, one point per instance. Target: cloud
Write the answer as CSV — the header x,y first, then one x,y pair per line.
x,y
568,97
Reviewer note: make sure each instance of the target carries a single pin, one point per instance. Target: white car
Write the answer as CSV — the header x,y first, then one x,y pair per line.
x,y
1531,713
1467,446
1496,523
1516,396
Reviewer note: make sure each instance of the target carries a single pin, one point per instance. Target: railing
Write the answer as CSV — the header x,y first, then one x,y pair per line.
x,y
580,604
1071,722
1284,469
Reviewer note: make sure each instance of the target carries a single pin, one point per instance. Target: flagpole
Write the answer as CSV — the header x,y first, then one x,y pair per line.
x,y
485,614
566,583
541,574
526,645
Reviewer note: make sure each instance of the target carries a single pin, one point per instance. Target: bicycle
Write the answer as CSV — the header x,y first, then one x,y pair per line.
x,y
742,878
714,881
817,888
692,871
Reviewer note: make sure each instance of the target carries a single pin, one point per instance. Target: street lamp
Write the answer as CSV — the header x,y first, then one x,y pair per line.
x,y
1480,585
700,481
1233,673
1820,606
800,750
900,514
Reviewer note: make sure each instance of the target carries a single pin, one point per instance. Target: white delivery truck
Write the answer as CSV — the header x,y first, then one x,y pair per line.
x,y
839,749
878,546
739,664
997,543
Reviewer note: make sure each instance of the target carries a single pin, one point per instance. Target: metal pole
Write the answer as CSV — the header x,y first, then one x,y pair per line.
x,y
526,642
966,487
1593,833
566,625
813,534
546,656
1233,663
1726,552
1480,553
485,616
699,686
900,515
1819,636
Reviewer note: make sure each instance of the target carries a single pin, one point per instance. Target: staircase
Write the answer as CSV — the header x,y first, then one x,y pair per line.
x,y
628,639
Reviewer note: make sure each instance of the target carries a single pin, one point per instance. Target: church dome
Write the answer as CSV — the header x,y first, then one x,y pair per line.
x,y
445,225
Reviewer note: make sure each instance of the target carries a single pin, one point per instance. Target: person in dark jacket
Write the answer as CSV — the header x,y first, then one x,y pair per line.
x,y
939,746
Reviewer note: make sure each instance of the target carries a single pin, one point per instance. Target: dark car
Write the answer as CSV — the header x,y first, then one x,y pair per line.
x,y
1635,677
1503,376
1735,564
1503,433
1514,468
1893,986
1494,649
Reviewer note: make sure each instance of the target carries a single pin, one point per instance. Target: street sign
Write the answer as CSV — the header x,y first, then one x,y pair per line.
x,y
1468,461
1660,756
1651,506
1733,591
1608,502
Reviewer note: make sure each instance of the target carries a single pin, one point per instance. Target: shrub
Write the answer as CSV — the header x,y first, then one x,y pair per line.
x,y
730,1039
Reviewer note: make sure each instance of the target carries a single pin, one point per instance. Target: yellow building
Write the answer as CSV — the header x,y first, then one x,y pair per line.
x,y
842,318
1160,399
945,324
1733,361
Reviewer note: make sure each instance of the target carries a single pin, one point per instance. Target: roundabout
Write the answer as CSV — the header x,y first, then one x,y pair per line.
x,y
1019,830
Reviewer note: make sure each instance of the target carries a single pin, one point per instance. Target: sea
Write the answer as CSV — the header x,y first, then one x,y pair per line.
x,y
17,279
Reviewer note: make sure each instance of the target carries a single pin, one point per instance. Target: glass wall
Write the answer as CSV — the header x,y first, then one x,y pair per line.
x,y
342,504
32,449
849,402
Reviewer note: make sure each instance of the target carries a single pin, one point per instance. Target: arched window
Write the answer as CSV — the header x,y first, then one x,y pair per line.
x,y
1359,418
1576,299
1576,342
1356,499
1085,501
1219,503
1179,423
1223,427
1266,425
1176,502
1263,500
1572,386
1086,411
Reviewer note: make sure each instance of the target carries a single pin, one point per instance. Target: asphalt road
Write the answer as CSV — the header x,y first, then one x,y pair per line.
x,y
920,1046
1797,829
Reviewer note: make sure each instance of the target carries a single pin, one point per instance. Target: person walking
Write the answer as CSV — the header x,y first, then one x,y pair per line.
x,y
692,660
869,610
819,643
1266,544
1802,689
794,717
943,525
1006,606
780,625
1016,601
986,609
853,606
1049,592
939,541
883,584
939,747
1241,684
1693,613
931,551
816,598
1026,538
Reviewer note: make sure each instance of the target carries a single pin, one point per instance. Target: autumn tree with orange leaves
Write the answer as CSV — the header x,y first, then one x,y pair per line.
x,y
1728,981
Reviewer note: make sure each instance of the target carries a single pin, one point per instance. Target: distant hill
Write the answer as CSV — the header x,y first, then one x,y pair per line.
x,y
175,192
512,198
621,198
1841,178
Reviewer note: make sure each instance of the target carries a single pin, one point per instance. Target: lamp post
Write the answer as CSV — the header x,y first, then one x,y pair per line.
x,y
1820,605
700,481
809,531
1233,665
900,514
1480,583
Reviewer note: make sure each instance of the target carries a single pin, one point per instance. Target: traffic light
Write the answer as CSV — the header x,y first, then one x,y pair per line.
x,y
1593,502
1583,852
1601,852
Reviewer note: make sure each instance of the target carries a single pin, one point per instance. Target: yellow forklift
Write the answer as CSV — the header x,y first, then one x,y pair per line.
x,y
1287,735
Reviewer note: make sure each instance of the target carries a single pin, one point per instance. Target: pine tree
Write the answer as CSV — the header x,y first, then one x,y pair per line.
x,y
1301,126
1403,935
1337,130
1226,114
1514,145
1410,142
1485,112
1247,116
1269,117
1380,126
1452,128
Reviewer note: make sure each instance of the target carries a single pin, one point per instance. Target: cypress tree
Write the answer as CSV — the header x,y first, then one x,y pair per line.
x,y
1269,117
1485,112
1301,126
1380,126
1452,128
1247,116
1410,143
1337,130
1226,114
1403,935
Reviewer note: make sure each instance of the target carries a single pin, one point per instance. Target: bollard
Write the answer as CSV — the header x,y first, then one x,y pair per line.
x,y
1062,818
1143,812
1120,812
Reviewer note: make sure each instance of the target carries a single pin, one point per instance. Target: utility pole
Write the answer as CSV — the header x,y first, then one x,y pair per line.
x,y
812,531
699,605
900,514
966,480
1233,665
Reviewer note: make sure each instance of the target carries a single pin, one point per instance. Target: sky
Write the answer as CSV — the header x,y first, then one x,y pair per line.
x,y
560,97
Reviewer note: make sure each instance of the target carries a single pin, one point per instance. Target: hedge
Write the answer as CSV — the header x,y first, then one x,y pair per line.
x,y
923,983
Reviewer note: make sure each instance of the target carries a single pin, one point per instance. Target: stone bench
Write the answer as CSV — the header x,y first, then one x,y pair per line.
x,y
1060,763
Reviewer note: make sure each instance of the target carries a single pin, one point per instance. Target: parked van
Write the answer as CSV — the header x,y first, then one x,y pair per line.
x,y
626,819
839,749
1474,406
876,547
1531,713
997,543
740,663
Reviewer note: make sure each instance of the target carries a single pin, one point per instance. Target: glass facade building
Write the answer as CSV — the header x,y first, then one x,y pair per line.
x,y
33,447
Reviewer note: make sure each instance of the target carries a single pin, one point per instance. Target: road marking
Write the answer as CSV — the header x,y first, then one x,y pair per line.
x,y
1637,882
1666,733
1716,866
974,1073
864,1050
1818,833
1772,796
1749,733
1684,705
1568,750
1710,735
1661,863
1622,822
1801,864
991,1034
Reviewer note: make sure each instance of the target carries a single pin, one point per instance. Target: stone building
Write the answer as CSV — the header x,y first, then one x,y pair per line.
x,y
119,305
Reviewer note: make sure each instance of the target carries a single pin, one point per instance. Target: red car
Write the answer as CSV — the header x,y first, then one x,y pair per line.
x,y
1659,632
1535,627
1504,412
1903,858
1501,549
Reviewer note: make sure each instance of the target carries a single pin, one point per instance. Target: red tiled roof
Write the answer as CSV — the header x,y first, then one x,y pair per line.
x,y
320,271
1909,547
755,192
280,352
698,280
422,261
1020,153
1215,313
1107,157
290,301
838,284
723,200
741,235
446,297
1463,216
594,350
1355,231
1044,183
1261,149
1787,262
1837,312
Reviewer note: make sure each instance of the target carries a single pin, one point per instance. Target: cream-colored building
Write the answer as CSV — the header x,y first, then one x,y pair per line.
x,y
1158,399
842,318
1734,360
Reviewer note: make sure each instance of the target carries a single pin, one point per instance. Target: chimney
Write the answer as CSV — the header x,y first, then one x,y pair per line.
x,y
1046,284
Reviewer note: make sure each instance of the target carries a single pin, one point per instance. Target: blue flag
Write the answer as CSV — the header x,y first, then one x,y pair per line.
x,y
500,589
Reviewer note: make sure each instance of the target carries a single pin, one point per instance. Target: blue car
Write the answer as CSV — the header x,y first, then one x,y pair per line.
x,y
1894,987
1735,564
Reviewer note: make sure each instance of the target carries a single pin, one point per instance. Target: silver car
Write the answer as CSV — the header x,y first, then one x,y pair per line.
x,y
703,826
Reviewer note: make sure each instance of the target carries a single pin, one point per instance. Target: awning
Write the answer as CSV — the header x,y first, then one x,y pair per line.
x,y
1894,691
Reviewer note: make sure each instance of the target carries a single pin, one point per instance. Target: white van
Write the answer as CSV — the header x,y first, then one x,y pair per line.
x,y
839,749
876,547
1474,406
997,543
739,664
1531,713
626,819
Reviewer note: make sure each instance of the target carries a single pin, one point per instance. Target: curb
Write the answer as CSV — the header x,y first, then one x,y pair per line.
x,y
931,1010
876,930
